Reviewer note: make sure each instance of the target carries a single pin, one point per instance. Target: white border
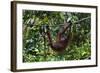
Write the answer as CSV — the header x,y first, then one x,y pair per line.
x,y
21,65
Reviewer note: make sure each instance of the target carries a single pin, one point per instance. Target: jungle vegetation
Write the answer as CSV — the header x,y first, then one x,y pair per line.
x,y
35,44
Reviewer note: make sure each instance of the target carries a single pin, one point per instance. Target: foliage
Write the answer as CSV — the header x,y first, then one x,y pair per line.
x,y
35,45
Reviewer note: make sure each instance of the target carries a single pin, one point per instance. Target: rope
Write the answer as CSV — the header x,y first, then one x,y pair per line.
x,y
44,26
81,20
